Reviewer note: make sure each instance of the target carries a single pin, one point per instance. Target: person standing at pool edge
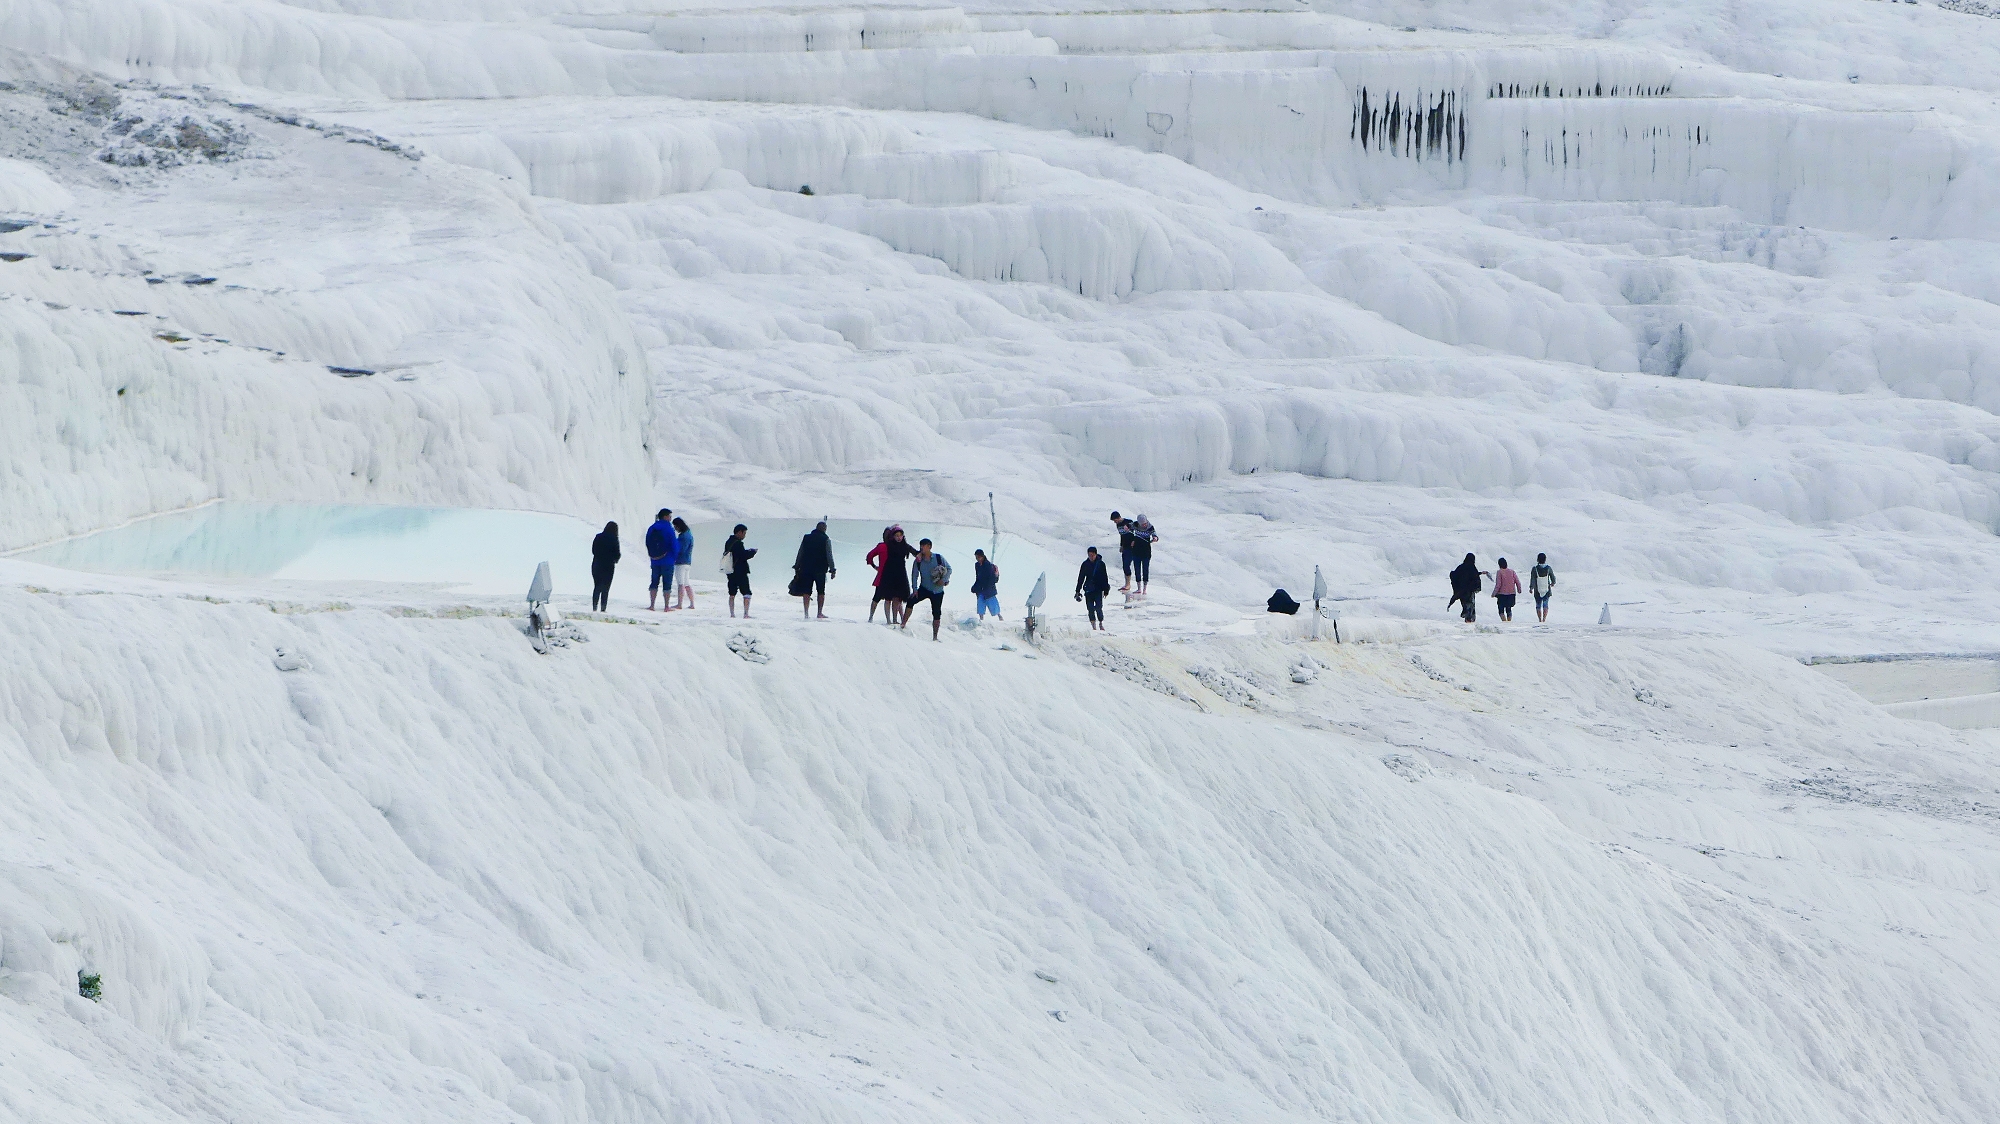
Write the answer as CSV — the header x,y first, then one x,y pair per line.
x,y
811,568
1506,587
684,564
896,554
737,558
660,547
1542,583
986,584
1093,581
603,560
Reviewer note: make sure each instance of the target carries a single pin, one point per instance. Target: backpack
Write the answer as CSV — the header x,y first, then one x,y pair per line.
x,y
940,572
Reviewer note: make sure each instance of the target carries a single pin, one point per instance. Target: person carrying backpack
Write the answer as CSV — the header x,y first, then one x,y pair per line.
x,y
930,573
1093,581
986,584
736,562
1542,584
661,549
811,568
603,560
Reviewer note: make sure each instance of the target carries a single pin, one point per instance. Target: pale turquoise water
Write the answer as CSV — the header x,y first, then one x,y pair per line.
x,y
494,552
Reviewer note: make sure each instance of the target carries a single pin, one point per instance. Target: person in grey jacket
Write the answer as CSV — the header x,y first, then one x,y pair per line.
x,y
929,573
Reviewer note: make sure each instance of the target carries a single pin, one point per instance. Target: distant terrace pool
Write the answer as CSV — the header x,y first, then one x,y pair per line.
x,y
480,551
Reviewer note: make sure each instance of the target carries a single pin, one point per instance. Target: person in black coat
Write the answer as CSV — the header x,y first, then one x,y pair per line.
x,y
1093,581
812,567
1465,589
603,559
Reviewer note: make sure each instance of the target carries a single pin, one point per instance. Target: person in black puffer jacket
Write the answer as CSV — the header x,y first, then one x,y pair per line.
x,y
603,560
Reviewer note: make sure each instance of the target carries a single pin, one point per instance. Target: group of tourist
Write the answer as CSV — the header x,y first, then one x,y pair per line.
x,y
1466,583
905,575
670,551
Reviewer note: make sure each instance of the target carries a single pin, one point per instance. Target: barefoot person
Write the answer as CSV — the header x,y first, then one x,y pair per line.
x,y
1541,583
812,567
1124,528
874,559
603,560
930,574
895,590
1143,538
737,557
1093,581
684,564
1506,587
986,584
663,552
1465,587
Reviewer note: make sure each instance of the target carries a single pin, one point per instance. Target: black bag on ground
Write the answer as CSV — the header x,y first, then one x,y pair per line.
x,y
1281,602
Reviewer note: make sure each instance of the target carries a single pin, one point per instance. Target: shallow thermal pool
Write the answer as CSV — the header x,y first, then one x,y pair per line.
x,y
1962,692
481,551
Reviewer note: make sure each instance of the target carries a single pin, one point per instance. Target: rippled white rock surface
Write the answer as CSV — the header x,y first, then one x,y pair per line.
x,y
1697,298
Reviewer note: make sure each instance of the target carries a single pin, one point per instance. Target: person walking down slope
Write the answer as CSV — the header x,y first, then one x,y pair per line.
x,y
811,568
1542,584
1093,581
1143,538
736,561
1506,587
603,560
684,564
1124,529
1465,588
986,584
664,552
930,573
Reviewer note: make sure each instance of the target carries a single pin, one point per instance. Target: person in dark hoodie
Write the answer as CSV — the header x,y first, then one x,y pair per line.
x,y
737,557
603,559
664,550
1465,589
1093,581
812,567
986,584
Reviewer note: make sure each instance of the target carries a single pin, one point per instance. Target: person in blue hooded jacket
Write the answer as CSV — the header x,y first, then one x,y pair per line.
x,y
660,547
684,565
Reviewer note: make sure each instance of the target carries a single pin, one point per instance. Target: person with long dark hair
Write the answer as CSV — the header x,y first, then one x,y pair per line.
x,y
603,560
895,587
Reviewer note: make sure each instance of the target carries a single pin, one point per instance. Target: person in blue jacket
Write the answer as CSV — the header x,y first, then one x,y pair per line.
x,y
986,584
661,549
684,565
